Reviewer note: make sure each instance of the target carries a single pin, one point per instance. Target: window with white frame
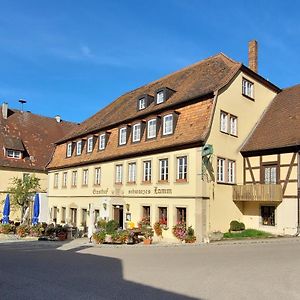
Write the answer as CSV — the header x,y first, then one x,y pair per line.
x,y
136,132
85,177
247,88
78,147
13,153
231,171
131,172
142,103
168,124
97,180
221,169
160,97
74,178
233,125
151,129
90,144
147,171
122,136
163,169
69,149
119,173
181,168
56,180
224,122
102,141
64,179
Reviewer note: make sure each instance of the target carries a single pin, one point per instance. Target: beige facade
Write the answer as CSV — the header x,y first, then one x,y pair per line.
x,y
207,201
6,175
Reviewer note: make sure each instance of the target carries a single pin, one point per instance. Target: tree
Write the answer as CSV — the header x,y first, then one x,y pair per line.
x,y
22,191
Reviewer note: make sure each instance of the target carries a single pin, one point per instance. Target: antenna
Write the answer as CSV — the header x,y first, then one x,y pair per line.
x,y
22,101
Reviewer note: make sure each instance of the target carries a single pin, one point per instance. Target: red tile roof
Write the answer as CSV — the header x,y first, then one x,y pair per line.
x,y
279,127
33,133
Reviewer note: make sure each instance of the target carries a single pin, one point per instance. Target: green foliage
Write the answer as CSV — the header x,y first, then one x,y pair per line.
x,y
248,233
22,230
236,226
99,237
147,232
22,190
6,228
101,224
111,226
36,230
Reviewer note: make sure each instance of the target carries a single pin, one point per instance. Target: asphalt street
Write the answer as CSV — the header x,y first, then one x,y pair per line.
x,y
39,270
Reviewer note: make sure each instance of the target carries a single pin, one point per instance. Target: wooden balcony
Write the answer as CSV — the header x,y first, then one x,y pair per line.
x,y
258,192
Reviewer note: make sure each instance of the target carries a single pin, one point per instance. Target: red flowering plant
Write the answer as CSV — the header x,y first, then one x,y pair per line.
x,y
144,222
179,231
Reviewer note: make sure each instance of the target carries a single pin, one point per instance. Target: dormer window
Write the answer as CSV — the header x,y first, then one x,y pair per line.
x,y
168,124
136,132
78,148
247,88
90,144
122,135
69,149
14,153
142,103
160,97
102,141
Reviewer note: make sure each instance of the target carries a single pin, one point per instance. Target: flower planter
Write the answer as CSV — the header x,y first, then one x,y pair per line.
x,y
147,241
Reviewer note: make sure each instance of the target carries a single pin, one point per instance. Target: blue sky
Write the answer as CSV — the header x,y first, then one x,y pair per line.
x,y
72,57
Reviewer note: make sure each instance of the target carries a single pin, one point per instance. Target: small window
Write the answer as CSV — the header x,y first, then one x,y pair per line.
x,y
64,179
56,180
142,103
231,171
228,123
122,136
83,217
119,173
181,214
163,170
147,171
151,129
270,174
136,132
247,88
132,172
181,168
73,214
163,216
160,97
78,147
221,170
13,153
146,212
233,125
224,122
168,124
90,144
268,215
69,149
63,215
102,141
74,178
54,214
85,177
97,180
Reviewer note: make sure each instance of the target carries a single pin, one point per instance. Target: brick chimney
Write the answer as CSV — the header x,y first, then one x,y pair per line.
x,y
4,110
252,55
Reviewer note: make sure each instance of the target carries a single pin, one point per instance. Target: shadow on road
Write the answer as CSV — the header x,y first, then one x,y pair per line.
x,y
39,271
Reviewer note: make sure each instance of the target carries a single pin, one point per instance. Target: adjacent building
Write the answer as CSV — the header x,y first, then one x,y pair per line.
x,y
269,195
27,144
169,150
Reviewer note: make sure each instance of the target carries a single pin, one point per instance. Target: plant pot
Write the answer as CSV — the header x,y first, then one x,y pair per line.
x,y
62,236
147,241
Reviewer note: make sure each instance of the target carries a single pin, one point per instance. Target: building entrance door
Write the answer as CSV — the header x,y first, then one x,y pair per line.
x,y
118,214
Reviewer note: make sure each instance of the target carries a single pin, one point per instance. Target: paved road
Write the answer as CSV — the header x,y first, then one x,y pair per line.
x,y
38,270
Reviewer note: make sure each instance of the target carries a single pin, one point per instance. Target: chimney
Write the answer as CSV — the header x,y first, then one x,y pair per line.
x,y
252,55
58,118
5,110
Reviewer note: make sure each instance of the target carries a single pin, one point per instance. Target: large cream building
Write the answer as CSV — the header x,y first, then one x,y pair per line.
x,y
168,150
27,144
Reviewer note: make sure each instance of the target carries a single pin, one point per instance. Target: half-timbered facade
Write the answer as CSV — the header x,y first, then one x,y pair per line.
x,y
269,197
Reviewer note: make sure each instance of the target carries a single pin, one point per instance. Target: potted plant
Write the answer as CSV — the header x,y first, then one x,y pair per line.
x,y
148,234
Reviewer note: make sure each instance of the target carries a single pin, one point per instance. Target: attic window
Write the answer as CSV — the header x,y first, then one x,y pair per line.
x,y
78,147
142,103
160,97
90,144
69,150
13,153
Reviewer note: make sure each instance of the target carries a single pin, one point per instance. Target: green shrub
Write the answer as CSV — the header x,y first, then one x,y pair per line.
x,y
101,224
236,226
6,228
111,226
22,230
99,237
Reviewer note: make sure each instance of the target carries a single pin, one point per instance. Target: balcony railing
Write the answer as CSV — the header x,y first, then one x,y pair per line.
x,y
257,192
